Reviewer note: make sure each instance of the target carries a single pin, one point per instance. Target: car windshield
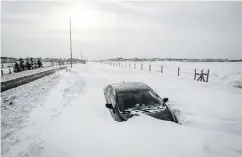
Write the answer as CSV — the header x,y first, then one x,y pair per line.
x,y
138,100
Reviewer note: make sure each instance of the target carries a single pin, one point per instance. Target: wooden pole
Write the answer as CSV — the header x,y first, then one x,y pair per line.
x,y
207,76
141,66
2,72
202,77
129,65
149,67
178,71
10,71
161,69
195,75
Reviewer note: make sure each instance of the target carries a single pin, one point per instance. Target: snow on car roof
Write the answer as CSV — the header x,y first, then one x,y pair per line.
x,y
130,86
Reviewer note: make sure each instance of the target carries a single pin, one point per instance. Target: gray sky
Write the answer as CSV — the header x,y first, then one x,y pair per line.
x,y
122,29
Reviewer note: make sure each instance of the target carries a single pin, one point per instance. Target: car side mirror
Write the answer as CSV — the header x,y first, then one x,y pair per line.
x,y
165,100
110,106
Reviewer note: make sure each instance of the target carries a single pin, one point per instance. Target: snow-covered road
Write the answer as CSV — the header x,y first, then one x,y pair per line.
x,y
65,116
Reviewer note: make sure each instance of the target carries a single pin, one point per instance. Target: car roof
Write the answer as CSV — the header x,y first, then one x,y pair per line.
x,y
130,87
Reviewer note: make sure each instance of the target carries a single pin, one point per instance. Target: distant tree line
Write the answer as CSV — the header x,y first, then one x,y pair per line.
x,y
21,64
57,60
28,64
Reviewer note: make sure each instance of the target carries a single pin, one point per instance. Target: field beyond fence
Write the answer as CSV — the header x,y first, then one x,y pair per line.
x,y
213,72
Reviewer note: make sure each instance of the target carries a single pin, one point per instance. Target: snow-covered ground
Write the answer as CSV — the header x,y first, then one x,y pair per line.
x,y
65,116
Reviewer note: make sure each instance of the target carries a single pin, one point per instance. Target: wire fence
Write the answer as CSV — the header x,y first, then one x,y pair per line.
x,y
198,74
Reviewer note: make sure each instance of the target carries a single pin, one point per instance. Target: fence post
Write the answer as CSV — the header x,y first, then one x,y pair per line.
x,y
201,76
141,66
178,71
129,65
161,69
149,67
195,75
10,71
207,76
2,72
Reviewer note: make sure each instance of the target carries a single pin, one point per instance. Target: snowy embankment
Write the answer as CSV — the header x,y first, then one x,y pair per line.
x,y
13,83
70,119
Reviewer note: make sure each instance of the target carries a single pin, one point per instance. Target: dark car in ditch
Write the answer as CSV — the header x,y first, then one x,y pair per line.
x,y
127,99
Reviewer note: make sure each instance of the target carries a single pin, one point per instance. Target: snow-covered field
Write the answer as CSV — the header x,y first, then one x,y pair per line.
x,y
226,73
64,115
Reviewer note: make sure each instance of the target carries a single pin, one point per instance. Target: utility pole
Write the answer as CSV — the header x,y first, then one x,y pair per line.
x,y
70,43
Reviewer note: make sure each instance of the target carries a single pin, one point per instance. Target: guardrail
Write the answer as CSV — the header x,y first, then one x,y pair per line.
x,y
26,79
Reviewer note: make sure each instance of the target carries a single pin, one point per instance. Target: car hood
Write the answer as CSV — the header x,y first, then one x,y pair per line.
x,y
161,113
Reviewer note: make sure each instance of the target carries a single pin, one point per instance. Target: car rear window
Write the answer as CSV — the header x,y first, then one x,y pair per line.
x,y
138,100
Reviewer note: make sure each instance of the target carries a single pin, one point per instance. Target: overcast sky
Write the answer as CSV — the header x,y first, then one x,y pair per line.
x,y
122,29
